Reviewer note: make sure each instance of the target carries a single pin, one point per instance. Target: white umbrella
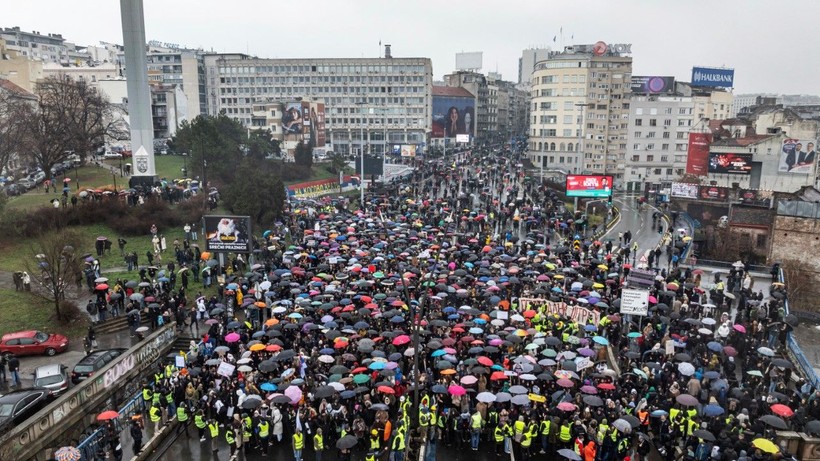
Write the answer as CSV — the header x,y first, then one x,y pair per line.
x,y
326,359
686,368
485,397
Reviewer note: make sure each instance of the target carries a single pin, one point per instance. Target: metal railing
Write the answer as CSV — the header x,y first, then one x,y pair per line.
x,y
795,352
95,442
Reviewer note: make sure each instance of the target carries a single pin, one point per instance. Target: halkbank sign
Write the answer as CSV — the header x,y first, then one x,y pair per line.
x,y
713,77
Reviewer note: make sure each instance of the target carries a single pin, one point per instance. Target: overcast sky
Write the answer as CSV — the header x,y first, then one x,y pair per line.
x,y
773,45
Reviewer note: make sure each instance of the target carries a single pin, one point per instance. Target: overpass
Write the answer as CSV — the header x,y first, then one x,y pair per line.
x,y
64,420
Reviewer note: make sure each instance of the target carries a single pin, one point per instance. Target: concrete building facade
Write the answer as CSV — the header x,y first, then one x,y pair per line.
x,y
579,111
19,69
37,46
527,61
371,95
658,139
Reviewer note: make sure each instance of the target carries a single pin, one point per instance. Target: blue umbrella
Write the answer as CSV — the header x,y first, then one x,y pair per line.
x,y
397,319
439,389
164,279
590,327
659,413
438,353
231,286
712,410
328,351
269,387
347,394
376,366
715,346
476,331
601,340
711,375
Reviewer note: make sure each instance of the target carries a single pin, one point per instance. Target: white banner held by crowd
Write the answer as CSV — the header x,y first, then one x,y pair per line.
x,y
634,302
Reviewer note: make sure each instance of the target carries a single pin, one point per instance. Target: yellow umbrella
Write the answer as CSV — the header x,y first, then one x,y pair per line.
x,y
258,347
550,266
603,267
537,398
558,276
767,446
597,286
687,238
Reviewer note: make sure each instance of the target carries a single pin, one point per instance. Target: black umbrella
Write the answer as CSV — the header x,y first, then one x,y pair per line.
x,y
792,320
281,399
704,434
347,442
774,421
324,392
250,404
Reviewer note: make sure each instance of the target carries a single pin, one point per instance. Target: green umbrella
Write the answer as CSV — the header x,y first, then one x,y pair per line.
x,y
361,379
334,378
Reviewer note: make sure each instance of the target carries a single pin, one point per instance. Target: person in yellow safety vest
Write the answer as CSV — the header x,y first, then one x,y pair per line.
x,y
147,394
603,428
476,424
169,370
398,446
526,442
156,417
158,377
692,427
182,419
623,447
518,429
213,427
566,434
263,435
370,456
155,398
578,446
247,430
544,427
424,421
375,442
298,445
231,439
199,422
318,444
433,416
498,434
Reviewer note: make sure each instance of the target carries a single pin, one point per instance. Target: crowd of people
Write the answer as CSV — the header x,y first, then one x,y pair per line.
x,y
466,308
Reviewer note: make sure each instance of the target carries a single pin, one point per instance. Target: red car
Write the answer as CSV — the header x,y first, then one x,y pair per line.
x,y
32,342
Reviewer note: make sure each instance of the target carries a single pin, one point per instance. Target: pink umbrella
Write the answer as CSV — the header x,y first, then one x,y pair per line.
x,y
739,328
563,382
496,342
589,390
232,337
294,394
653,299
401,340
455,389
468,380
567,406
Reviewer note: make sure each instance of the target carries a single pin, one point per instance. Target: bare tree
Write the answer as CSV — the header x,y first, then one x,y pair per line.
x,y
68,116
10,128
54,265
802,284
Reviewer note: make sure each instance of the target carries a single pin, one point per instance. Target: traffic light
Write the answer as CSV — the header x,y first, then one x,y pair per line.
x,y
609,200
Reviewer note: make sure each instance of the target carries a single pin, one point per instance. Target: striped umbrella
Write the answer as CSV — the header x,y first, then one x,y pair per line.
x,y
67,454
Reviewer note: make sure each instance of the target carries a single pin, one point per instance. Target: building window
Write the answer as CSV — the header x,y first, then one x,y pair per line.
x,y
761,241
638,122
656,171
636,147
651,134
653,122
650,158
664,146
650,146
637,134
680,135
636,158
665,135
667,122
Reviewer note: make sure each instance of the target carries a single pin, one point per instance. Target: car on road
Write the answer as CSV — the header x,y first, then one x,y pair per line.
x,y
92,363
32,342
26,184
53,377
112,155
17,406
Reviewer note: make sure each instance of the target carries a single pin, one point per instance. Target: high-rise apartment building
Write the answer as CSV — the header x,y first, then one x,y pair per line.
x,y
37,46
580,108
366,99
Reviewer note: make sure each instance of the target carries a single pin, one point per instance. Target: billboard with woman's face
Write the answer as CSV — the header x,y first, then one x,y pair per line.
x,y
453,115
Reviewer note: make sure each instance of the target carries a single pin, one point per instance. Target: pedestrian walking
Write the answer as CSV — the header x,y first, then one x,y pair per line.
x,y
136,436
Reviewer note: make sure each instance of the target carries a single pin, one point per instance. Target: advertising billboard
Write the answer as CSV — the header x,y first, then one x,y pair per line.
x,y
316,123
713,193
408,150
730,163
293,123
227,233
463,138
797,156
697,159
684,190
716,78
652,84
452,116
707,214
589,186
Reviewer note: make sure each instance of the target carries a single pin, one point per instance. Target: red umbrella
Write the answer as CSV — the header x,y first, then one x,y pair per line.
x,y
782,410
455,389
730,351
101,287
498,376
401,340
606,386
106,415
386,390
486,361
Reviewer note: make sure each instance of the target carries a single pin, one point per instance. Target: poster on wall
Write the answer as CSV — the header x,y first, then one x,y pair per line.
x,y
227,233
730,163
707,215
452,116
684,190
697,159
797,156
589,186
408,150
317,124
292,120
713,193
